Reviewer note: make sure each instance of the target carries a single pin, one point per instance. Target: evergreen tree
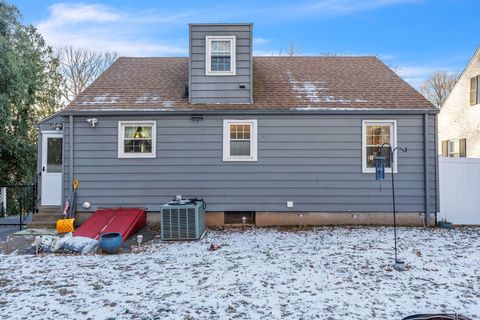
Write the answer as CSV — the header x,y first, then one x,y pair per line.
x,y
29,91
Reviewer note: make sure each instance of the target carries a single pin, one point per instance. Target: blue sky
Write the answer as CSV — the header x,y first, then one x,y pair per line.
x,y
415,37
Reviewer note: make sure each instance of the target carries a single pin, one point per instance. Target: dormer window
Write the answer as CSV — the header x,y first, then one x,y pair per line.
x,y
220,55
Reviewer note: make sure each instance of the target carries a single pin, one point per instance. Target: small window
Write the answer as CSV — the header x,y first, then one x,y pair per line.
x,y
54,155
454,148
475,90
374,134
136,139
240,140
220,55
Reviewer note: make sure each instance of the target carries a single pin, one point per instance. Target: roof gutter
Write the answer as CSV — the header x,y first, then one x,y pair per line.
x,y
99,112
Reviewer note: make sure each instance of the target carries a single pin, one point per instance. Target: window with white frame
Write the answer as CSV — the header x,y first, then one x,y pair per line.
x,y
454,148
375,133
136,139
239,140
220,55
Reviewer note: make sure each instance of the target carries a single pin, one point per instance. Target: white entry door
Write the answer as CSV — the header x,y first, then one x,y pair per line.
x,y
52,145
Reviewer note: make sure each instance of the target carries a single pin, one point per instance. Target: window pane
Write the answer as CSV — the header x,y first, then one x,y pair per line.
x,y
233,131
138,132
147,131
54,155
372,153
378,135
477,100
221,47
138,146
246,131
474,84
240,131
240,148
220,63
129,131
454,148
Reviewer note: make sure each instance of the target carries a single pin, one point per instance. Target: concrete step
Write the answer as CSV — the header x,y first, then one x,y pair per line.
x,y
46,217
42,225
53,215
47,210
50,212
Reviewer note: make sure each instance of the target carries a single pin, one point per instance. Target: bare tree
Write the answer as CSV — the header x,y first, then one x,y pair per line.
x,y
291,51
438,87
80,67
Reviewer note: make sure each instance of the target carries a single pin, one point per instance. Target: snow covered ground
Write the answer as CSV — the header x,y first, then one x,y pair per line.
x,y
326,273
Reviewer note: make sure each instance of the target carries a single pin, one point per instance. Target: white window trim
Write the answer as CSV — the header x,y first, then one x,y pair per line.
x,y
393,140
208,52
253,140
121,132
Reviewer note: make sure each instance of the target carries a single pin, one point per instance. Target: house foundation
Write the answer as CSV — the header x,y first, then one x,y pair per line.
x,y
340,218
270,219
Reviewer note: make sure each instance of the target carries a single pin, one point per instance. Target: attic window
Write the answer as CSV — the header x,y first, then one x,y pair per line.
x,y
220,55
475,90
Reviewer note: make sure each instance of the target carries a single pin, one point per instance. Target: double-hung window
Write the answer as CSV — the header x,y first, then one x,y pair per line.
x,y
220,55
240,140
454,148
136,139
376,133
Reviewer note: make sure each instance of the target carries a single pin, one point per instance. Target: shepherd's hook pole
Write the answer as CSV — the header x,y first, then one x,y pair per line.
x,y
392,152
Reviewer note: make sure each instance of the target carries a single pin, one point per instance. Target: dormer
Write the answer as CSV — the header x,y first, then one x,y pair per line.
x,y
220,68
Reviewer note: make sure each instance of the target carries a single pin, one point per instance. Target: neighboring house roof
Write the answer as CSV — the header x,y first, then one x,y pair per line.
x,y
279,83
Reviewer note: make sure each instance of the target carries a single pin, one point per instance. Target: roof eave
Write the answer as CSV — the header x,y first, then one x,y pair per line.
x,y
53,115
102,112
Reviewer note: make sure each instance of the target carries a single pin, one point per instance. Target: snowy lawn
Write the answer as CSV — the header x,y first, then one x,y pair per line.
x,y
325,273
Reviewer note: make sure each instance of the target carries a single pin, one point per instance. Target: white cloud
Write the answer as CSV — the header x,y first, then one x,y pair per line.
x,y
260,41
72,13
349,6
415,75
101,28
326,8
152,32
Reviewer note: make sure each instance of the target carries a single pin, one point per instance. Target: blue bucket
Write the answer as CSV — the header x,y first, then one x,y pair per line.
x,y
111,242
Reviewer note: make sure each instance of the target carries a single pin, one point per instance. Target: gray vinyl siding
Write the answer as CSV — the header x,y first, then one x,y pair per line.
x,y
313,160
220,89
48,124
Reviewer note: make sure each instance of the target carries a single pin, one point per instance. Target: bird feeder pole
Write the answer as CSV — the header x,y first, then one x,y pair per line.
x,y
379,166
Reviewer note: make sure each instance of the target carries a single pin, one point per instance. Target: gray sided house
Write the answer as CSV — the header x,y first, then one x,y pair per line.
x,y
284,140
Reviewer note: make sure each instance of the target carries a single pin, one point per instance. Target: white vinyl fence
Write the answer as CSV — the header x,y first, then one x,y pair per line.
x,y
460,190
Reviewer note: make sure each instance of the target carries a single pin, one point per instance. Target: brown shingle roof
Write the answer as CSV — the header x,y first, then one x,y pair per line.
x,y
279,83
